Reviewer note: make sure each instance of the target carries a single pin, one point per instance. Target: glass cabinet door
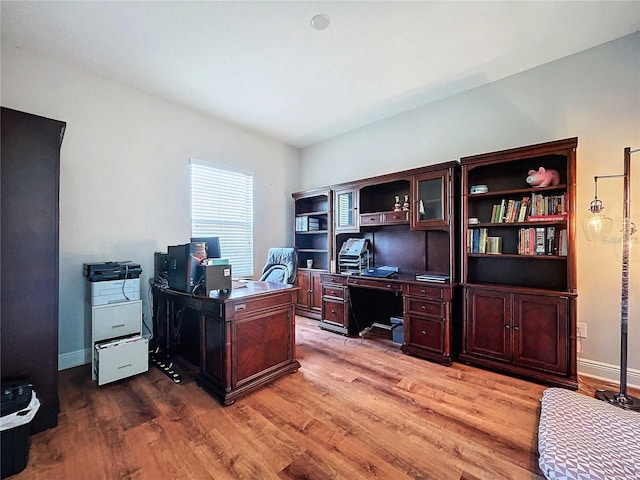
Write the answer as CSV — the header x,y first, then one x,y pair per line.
x,y
430,200
345,210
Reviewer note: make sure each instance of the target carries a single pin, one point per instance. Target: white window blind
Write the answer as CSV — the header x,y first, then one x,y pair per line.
x,y
222,206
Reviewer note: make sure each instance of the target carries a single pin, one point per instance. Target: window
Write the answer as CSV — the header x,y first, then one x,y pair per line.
x,y
222,205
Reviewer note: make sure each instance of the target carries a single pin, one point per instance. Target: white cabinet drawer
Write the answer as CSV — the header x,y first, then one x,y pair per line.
x,y
117,320
121,359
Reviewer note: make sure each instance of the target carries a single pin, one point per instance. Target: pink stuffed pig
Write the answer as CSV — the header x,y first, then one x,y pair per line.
x,y
543,178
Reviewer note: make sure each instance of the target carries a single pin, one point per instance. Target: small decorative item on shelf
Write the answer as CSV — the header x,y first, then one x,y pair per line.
x,y
405,205
478,189
396,206
543,177
473,221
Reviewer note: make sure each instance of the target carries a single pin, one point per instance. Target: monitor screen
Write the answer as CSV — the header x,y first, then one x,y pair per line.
x,y
212,245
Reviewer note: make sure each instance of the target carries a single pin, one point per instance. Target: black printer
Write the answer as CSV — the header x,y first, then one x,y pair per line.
x,y
98,272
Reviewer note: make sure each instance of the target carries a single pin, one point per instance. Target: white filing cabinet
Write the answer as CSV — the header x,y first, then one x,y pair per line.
x,y
118,348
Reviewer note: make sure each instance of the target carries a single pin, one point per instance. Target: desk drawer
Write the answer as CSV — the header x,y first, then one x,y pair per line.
x,y
333,312
426,333
424,290
241,307
333,279
425,307
382,284
117,320
370,219
334,292
121,359
395,217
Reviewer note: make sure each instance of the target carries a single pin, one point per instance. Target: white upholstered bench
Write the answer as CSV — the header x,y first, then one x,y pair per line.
x,y
582,438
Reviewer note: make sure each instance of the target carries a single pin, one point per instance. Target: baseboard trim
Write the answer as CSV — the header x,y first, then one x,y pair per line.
x,y
74,359
608,372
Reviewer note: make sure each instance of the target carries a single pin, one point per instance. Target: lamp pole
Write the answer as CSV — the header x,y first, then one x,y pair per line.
x,y
622,399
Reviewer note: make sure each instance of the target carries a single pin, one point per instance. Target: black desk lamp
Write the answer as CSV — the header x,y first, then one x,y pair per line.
x,y
598,227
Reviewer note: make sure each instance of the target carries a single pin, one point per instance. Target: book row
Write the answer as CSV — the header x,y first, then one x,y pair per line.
x,y
531,241
510,210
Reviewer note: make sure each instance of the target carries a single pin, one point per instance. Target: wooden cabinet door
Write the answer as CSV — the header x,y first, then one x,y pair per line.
x,y
430,200
304,282
540,332
345,210
315,300
488,325
30,169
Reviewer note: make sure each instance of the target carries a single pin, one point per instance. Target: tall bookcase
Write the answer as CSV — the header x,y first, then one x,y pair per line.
x,y
518,263
313,239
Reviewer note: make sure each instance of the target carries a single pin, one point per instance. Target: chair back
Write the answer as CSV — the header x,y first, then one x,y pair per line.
x,y
281,265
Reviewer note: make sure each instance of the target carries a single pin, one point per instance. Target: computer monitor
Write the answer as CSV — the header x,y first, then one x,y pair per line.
x,y
212,245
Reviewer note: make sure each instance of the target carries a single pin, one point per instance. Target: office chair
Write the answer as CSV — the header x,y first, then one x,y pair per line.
x,y
281,266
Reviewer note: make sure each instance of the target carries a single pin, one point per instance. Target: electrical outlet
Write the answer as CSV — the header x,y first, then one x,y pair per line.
x,y
582,330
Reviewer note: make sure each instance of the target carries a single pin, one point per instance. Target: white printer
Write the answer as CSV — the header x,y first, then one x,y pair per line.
x,y
113,291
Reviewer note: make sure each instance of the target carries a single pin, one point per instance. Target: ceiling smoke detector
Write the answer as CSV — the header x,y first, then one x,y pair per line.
x,y
320,21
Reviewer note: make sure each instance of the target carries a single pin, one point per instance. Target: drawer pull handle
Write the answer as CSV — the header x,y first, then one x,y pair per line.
x,y
128,365
120,325
333,311
516,328
240,306
423,307
423,332
507,327
388,285
423,291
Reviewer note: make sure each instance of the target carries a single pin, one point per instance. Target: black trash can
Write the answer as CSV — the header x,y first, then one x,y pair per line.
x,y
18,407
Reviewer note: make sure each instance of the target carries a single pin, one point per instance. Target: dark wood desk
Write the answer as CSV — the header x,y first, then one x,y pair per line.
x,y
246,336
352,303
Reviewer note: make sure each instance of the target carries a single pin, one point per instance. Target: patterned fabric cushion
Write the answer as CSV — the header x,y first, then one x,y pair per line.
x,y
582,438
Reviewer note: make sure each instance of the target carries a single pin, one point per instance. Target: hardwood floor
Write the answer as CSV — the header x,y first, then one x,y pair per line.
x,y
354,410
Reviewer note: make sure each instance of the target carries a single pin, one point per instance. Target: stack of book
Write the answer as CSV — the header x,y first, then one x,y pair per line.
x,y
306,224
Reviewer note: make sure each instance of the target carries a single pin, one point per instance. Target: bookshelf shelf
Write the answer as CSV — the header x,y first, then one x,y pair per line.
x,y
513,255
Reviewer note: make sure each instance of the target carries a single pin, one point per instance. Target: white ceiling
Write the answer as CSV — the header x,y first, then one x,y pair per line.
x,y
261,65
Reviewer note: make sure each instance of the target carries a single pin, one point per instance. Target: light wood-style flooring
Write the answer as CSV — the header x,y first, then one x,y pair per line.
x,y
354,410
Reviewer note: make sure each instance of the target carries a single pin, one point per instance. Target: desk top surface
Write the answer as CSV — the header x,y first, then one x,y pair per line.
x,y
240,289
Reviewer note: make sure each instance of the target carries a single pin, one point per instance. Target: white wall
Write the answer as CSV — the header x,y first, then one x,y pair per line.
x,y
124,179
594,95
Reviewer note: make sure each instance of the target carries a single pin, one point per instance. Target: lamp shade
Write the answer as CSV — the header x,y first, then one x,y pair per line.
x,y
597,226
633,244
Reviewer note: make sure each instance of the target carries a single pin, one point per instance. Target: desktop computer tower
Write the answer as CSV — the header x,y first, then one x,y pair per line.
x,y
182,265
160,266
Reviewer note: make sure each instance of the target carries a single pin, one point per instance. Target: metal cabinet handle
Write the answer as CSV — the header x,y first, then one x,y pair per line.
x,y
118,326
423,332
423,307
516,327
240,306
333,311
124,366
388,285
507,327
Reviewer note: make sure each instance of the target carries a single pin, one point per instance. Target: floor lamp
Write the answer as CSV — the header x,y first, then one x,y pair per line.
x,y
597,227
